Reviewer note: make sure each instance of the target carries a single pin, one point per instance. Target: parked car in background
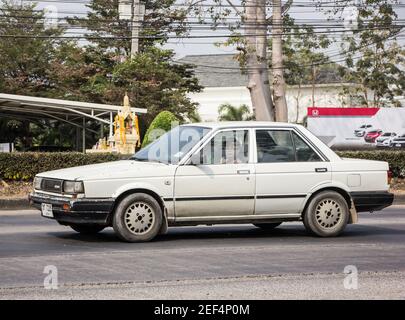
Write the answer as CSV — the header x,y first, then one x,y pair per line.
x,y
372,135
262,173
362,130
398,142
384,141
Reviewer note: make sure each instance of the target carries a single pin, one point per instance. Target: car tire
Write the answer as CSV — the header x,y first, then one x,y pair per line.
x,y
137,218
87,228
327,214
267,226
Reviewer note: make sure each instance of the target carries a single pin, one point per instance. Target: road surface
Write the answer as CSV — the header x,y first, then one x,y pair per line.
x,y
214,262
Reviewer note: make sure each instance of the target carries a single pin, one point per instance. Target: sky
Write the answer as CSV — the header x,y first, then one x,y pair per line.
x,y
207,45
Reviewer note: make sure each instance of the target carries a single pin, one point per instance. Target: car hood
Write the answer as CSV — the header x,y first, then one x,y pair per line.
x,y
111,170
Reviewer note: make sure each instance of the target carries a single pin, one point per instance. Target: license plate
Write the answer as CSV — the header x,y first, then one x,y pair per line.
x,y
46,210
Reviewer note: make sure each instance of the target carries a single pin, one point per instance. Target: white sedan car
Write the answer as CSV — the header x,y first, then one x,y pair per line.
x,y
216,173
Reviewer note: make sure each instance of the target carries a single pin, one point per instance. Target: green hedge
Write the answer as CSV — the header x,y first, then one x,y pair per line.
x,y
24,166
163,121
396,159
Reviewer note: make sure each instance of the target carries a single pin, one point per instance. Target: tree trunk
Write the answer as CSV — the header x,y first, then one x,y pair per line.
x,y
280,102
256,59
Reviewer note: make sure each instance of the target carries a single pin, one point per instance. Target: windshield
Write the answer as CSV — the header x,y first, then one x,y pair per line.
x,y
173,145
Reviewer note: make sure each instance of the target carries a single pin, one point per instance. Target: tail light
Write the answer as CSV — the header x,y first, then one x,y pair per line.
x,y
389,176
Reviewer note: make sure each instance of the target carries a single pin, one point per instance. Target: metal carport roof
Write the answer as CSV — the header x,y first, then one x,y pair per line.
x,y
73,112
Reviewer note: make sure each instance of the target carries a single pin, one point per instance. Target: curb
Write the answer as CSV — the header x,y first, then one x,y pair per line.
x,y
23,203
14,204
399,199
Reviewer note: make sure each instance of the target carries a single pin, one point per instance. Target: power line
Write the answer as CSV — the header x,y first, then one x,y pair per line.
x,y
311,65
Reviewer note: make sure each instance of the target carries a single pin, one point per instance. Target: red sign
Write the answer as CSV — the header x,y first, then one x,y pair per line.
x,y
342,112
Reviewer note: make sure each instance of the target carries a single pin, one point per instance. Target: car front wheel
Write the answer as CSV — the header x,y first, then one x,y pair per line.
x,y
327,214
137,218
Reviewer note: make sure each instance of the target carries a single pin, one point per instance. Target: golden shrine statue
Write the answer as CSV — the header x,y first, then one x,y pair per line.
x,y
126,130
126,136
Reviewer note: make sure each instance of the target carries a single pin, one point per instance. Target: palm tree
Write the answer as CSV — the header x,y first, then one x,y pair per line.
x,y
228,112
194,117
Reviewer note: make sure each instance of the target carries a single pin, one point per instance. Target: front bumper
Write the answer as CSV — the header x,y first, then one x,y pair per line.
x,y
371,200
398,144
68,210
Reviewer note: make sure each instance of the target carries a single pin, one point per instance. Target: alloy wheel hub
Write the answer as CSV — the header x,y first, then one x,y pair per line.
x,y
139,218
328,213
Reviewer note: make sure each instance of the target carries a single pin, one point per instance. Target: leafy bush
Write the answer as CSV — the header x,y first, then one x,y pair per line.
x,y
395,158
24,166
162,123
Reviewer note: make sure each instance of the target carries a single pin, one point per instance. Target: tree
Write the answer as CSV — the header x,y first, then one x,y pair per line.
x,y
373,57
251,15
150,79
163,122
110,33
39,61
303,59
194,117
228,112
27,48
278,82
153,82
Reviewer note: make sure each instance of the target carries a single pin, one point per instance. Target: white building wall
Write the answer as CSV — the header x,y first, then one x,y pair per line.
x,y
325,96
211,98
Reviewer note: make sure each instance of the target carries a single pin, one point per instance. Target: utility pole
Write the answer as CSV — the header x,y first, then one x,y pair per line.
x,y
134,11
279,99
256,59
137,18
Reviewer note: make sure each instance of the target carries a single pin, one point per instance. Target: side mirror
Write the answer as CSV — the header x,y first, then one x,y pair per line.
x,y
195,159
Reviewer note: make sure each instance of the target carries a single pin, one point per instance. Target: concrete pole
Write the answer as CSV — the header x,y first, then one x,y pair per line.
x,y
101,130
138,12
279,86
77,139
111,124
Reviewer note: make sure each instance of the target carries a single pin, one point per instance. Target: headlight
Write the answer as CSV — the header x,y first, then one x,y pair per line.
x,y
73,187
37,183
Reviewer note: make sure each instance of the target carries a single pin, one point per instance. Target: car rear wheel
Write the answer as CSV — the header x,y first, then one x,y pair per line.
x,y
137,218
86,228
327,214
267,226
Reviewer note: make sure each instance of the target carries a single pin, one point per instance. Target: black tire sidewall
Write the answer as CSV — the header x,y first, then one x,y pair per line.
x,y
312,225
120,227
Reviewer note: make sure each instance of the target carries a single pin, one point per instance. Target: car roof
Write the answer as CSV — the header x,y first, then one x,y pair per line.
x,y
243,124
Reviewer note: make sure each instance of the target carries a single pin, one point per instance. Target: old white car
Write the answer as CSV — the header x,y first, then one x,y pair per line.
x,y
216,173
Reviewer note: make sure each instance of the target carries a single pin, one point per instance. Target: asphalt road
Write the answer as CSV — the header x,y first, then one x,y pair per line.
x,y
238,261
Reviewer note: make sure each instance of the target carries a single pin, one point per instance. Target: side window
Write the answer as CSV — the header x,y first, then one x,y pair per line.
x,y
304,152
274,146
227,147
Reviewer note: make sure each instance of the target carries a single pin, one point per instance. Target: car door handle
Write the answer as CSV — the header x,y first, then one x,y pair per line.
x,y
321,169
243,171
